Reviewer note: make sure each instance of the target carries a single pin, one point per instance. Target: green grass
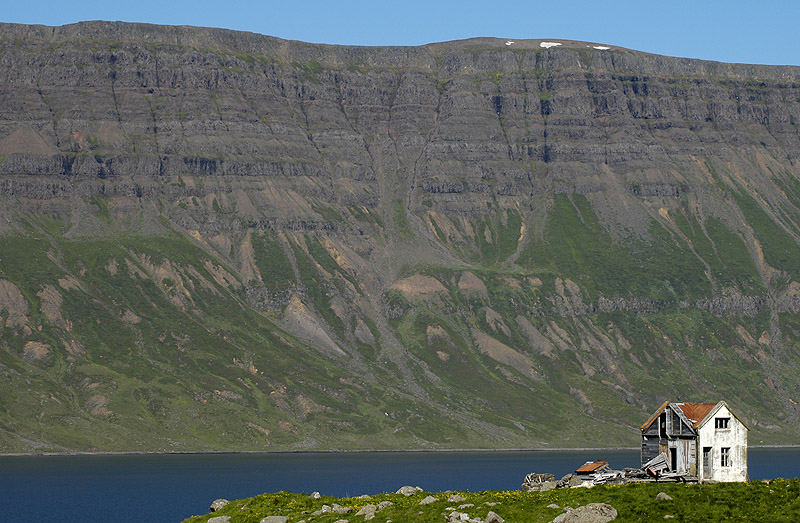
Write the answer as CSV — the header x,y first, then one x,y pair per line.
x,y
576,246
780,249
276,271
778,500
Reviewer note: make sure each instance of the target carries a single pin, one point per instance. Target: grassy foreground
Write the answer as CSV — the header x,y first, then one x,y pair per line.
x,y
778,500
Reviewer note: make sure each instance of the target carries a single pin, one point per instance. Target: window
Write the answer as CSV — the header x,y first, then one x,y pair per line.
x,y
722,423
725,457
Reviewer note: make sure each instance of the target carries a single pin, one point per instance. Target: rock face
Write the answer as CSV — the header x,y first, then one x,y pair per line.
x,y
350,236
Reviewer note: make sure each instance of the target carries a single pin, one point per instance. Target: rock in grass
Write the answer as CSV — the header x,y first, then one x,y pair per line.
x,y
591,513
383,504
218,504
455,498
367,509
663,496
315,495
427,500
491,517
338,509
408,491
219,519
552,505
669,516
274,519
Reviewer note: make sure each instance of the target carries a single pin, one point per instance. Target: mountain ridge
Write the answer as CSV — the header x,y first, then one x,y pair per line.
x,y
280,245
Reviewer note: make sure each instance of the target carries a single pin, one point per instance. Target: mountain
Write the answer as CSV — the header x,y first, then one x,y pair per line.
x,y
220,240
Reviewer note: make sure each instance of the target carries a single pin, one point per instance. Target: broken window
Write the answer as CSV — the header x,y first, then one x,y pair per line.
x,y
725,457
722,423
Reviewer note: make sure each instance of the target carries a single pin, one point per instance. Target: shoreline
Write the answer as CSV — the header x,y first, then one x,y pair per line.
x,y
340,451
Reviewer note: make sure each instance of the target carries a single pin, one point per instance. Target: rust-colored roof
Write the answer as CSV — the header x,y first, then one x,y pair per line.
x,y
696,411
591,466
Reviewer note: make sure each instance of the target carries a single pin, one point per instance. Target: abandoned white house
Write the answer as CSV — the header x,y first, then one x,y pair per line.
x,y
702,440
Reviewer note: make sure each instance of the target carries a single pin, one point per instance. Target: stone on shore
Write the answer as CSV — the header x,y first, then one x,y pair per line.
x,y
218,504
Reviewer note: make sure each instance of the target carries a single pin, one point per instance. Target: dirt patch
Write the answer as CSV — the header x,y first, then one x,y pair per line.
x,y
70,283
51,306
495,321
469,283
35,351
308,406
443,356
112,267
537,341
134,270
74,348
130,317
362,333
436,334
418,285
259,428
746,338
301,322
221,276
14,304
247,260
97,406
504,354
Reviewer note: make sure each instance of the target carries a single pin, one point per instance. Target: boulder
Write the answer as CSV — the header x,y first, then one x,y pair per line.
x,y
218,504
219,519
408,491
491,517
427,500
274,519
663,496
533,482
591,513
315,495
455,498
367,509
383,504
338,509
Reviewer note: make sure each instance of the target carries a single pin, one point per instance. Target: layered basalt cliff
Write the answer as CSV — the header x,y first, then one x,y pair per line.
x,y
214,239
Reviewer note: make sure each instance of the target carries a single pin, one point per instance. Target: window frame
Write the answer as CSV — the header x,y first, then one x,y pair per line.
x,y
725,457
722,423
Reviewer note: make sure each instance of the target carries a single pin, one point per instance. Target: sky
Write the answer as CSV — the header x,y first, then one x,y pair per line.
x,y
763,32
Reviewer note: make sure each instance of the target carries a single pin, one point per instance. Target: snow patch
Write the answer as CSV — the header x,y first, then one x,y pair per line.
x,y
548,45
509,42
601,47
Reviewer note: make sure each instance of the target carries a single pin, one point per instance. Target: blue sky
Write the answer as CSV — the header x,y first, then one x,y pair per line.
x,y
763,31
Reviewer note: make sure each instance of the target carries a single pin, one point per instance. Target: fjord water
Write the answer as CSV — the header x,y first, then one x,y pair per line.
x,y
173,487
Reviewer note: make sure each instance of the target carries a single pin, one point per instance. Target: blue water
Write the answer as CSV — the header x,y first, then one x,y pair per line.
x,y
173,487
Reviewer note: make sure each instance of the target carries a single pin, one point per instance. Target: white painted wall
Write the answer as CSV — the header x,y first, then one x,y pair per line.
x,y
734,437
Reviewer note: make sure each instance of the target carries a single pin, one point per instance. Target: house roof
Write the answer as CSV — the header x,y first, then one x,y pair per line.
x,y
694,412
591,466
